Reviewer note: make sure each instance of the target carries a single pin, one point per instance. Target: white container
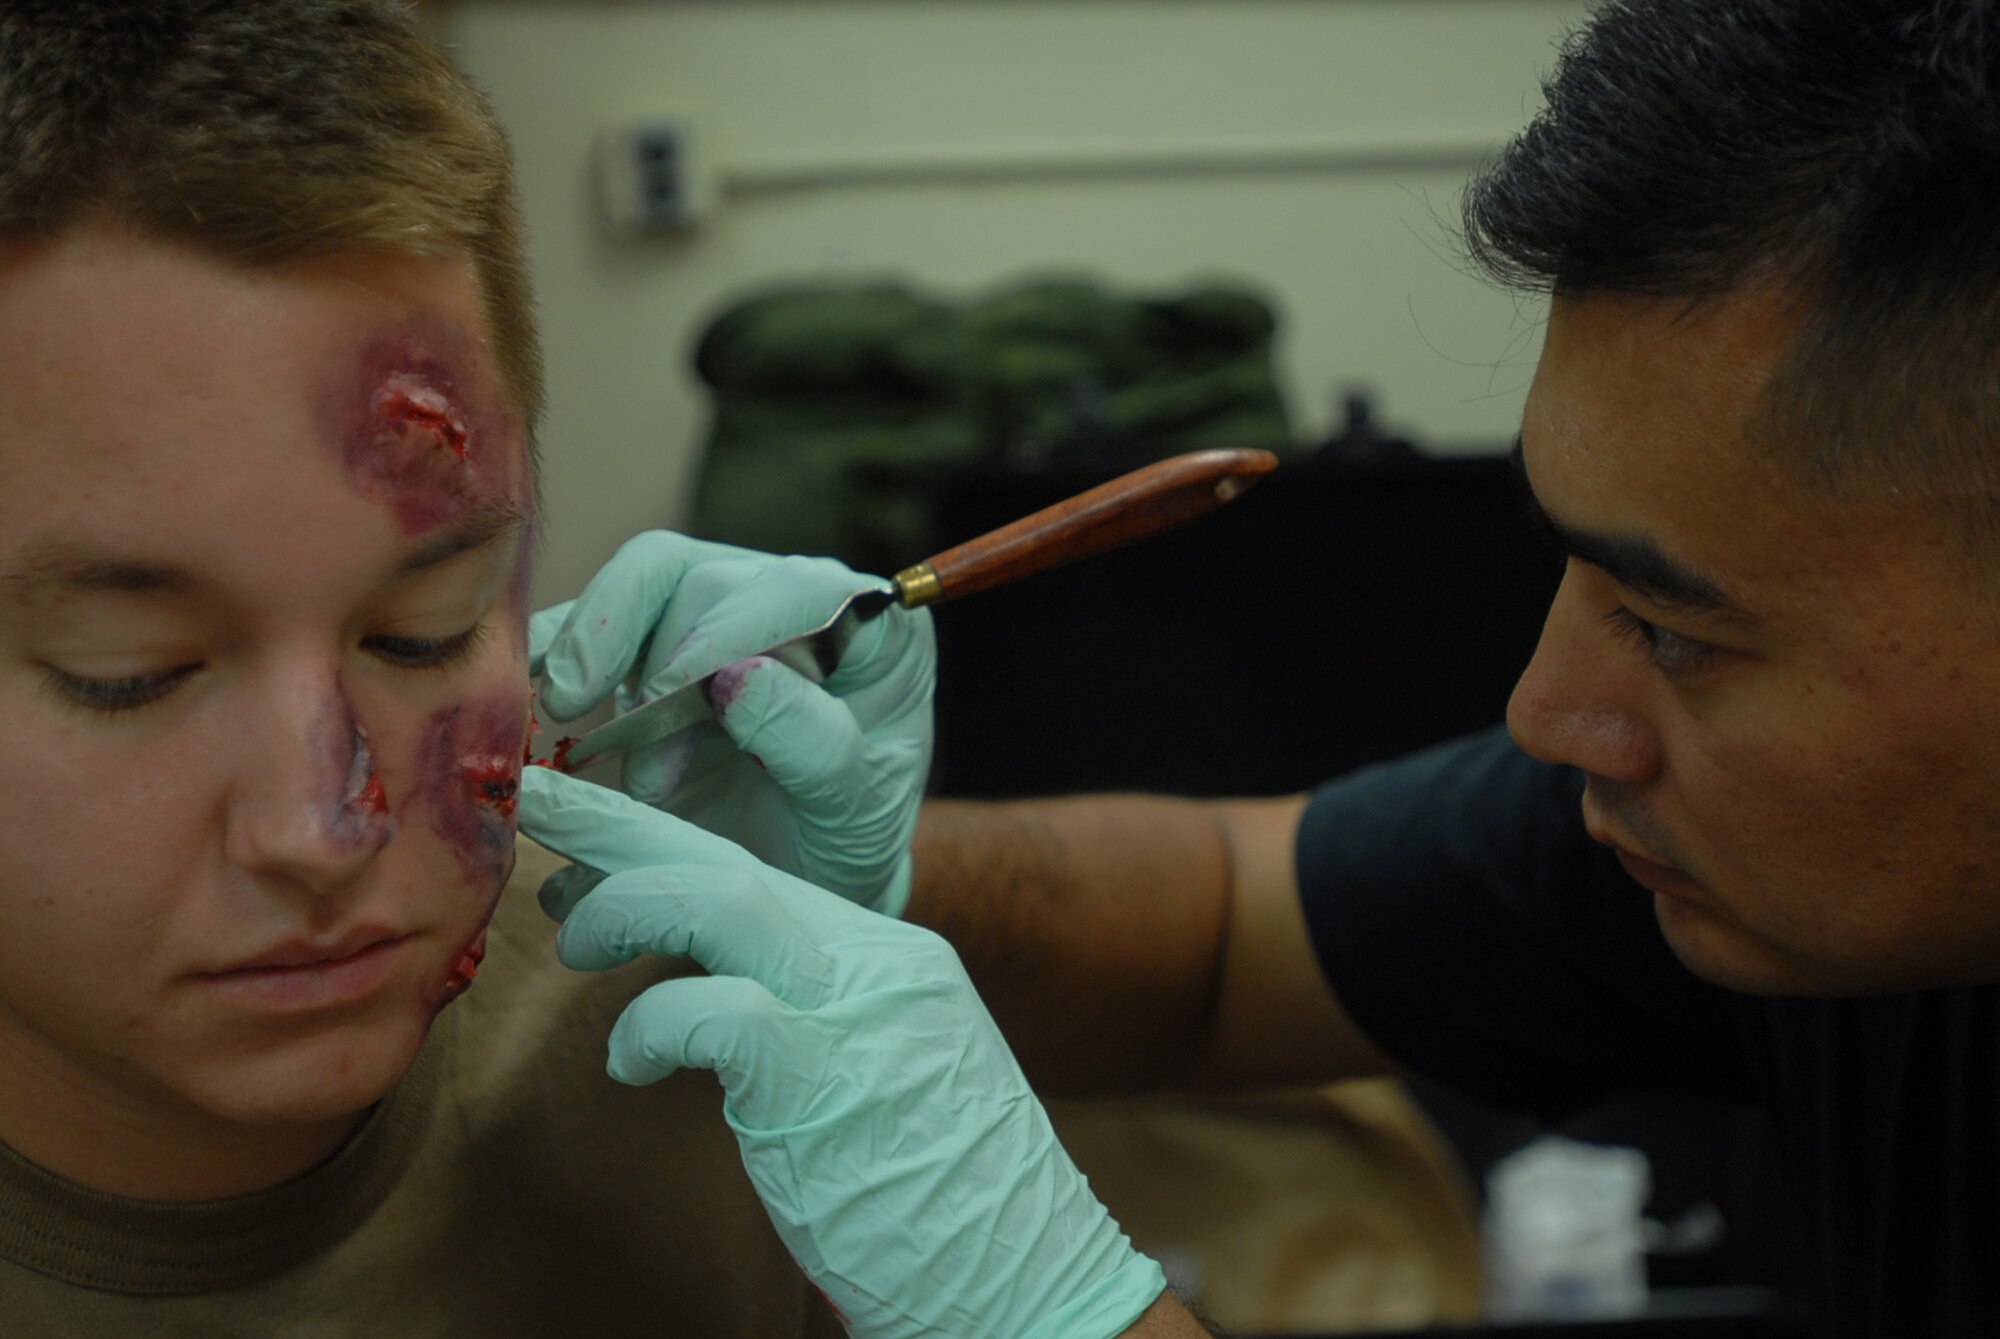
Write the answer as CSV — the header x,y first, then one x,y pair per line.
x,y
1563,1232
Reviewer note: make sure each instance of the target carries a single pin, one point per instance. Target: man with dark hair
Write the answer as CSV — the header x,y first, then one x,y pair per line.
x,y
1745,838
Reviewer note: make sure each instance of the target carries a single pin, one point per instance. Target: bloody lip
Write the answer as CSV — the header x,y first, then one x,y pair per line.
x,y
307,976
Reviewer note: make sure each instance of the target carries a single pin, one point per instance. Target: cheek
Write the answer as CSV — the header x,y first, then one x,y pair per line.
x,y
1830,822
520,595
95,861
467,777
1763,799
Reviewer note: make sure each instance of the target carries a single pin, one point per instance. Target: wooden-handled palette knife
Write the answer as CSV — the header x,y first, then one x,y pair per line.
x,y
1129,508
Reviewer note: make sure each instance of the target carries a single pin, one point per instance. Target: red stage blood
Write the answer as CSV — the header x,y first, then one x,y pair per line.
x,y
469,776
361,809
459,979
416,405
497,784
415,422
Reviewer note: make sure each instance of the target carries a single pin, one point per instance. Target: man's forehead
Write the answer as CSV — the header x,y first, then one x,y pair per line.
x,y
1636,558
1641,437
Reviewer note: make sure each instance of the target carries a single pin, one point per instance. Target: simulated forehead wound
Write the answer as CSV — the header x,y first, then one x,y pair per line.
x,y
408,405
414,436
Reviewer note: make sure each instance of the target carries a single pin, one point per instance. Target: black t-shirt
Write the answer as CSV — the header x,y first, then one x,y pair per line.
x,y
1476,934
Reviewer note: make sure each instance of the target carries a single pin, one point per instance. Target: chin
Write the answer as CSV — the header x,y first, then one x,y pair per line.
x,y
1724,954
331,1075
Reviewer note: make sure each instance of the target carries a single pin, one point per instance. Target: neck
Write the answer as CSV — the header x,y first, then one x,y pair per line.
x,y
153,1146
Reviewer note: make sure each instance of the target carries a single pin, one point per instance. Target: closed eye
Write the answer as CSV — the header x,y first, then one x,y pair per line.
x,y
427,652
1669,652
112,696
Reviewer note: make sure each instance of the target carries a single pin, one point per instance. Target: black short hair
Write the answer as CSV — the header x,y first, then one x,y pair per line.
x,y
1843,152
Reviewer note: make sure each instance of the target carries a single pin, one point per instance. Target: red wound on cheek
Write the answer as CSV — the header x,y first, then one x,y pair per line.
x,y
469,777
459,979
496,783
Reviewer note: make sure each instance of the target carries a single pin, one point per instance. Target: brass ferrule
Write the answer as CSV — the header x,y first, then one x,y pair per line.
x,y
919,585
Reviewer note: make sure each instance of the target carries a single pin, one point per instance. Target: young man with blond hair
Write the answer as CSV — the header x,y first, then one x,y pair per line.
x,y
270,380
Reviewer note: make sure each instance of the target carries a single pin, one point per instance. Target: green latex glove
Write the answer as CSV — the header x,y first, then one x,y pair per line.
x,y
823,780
893,1138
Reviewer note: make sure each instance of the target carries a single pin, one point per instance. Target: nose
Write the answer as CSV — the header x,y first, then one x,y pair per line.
x,y
1581,701
307,808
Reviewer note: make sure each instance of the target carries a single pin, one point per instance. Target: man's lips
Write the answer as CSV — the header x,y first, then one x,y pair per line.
x,y
306,953
308,975
1648,873
1655,877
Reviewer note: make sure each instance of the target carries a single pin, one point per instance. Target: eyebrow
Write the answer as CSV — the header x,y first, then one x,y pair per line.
x,y
53,569
65,567
1633,561
486,525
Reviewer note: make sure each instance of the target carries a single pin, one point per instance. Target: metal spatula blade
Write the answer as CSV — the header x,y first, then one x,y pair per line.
x,y
814,654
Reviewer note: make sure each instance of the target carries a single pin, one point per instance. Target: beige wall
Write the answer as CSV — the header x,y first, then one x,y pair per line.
x,y
1311,149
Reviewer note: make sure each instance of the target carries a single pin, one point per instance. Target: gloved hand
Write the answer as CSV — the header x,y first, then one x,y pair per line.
x,y
881,1116
821,780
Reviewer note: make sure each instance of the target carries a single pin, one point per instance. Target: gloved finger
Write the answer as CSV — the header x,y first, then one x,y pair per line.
x,y
725,919
543,625
753,608
610,625
718,1022
562,890
651,774
805,739
593,825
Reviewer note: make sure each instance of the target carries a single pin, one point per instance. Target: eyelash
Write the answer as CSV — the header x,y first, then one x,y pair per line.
x,y
1669,652
113,696
422,653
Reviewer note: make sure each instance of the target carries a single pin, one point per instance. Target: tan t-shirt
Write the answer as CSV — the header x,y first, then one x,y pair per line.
x,y
507,1187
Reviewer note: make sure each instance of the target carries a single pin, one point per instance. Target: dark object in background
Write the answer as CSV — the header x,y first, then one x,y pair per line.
x,y
809,383
1722,1313
1343,612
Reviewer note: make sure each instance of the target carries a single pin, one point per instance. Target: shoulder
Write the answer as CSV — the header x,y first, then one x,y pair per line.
x,y
1474,931
1477,808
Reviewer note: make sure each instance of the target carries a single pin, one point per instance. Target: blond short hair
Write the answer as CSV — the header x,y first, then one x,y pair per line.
x,y
263,132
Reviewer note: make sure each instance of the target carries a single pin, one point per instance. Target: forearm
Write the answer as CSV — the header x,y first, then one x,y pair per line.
x,y
1093,927
1167,1319
1128,942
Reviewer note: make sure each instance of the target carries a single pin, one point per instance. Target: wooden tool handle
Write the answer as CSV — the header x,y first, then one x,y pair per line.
x,y
1130,507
